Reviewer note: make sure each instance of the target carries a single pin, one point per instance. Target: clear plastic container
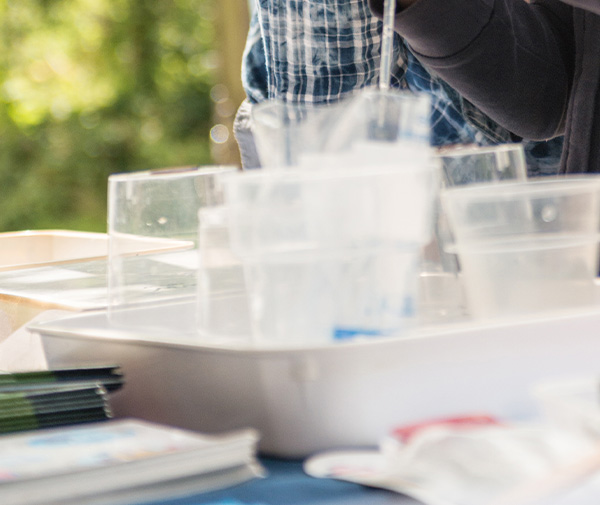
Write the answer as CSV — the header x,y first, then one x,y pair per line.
x,y
526,247
162,206
330,254
222,296
301,135
483,164
462,165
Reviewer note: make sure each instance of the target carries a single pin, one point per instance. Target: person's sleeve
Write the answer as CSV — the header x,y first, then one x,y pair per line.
x,y
588,5
512,59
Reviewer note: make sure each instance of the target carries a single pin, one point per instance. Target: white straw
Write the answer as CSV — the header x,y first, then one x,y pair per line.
x,y
387,39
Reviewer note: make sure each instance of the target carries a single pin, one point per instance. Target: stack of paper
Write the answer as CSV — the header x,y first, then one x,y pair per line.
x,y
120,461
40,399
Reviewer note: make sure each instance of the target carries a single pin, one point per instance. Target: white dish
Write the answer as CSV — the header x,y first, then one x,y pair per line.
x,y
312,399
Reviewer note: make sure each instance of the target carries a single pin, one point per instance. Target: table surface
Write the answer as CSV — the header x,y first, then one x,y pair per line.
x,y
287,484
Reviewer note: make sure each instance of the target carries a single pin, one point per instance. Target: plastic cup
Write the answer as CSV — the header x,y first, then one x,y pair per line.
x,y
222,298
283,132
459,166
464,165
526,247
330,254
296,134
488,164
159,207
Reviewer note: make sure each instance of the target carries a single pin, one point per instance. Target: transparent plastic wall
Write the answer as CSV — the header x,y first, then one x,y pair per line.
x,y
153,239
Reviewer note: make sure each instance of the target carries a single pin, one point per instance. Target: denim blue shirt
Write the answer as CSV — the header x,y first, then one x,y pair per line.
x,y
319,51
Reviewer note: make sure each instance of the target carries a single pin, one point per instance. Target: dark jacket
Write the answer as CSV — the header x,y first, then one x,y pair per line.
x,y
534,68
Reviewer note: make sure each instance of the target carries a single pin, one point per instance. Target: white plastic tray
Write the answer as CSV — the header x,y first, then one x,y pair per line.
x,y
350,394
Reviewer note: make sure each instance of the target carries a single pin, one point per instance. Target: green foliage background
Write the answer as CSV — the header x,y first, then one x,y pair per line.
x,y
94,87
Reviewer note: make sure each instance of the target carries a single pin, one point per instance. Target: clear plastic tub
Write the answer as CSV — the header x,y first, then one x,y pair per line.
x,y
160,205
220,278
459,166
299,135
526,247
483,164
330,254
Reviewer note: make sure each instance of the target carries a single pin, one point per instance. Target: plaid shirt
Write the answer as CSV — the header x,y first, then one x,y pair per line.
x,y
319,51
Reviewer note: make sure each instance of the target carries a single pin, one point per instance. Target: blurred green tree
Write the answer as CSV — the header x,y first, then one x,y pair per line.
x,y
94,87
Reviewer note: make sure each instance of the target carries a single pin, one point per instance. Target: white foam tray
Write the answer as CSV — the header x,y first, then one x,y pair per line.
x,y
32,248
349,394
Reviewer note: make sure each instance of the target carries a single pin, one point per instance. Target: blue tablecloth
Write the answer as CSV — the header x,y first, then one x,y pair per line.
x,y
287,484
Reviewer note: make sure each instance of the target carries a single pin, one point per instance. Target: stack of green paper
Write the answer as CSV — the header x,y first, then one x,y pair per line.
x,y
41,399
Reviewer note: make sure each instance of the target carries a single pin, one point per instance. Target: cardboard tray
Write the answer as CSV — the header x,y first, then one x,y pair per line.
x,y
60,269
